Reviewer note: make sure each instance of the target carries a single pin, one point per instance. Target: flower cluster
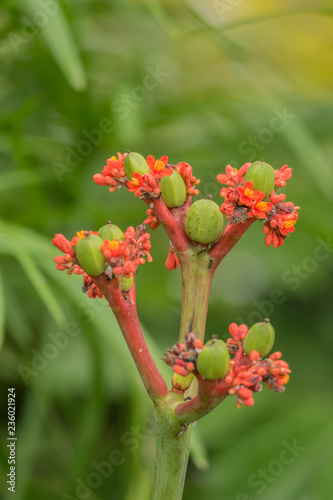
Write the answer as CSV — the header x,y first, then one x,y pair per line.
x,y
182,357
144,185
185,170
246,372
122,257
242,202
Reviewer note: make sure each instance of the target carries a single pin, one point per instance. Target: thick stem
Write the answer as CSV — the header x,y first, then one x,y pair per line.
x,y
197,275
124,308
172,452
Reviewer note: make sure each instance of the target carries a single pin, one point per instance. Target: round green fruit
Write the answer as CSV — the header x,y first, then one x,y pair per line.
x,y
182,383
126,284
260,337
262,176
134,162
173,190
204,222
90,256
110,232
213,361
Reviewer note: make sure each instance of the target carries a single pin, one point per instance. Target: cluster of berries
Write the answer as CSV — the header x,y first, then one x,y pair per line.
x,y
243,375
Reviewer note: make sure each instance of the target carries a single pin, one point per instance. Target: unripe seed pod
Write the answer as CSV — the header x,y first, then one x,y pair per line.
x,y
213,361
204,222
173,190
182,383
260,338
262,176
90,256
110,232
126,284
134,162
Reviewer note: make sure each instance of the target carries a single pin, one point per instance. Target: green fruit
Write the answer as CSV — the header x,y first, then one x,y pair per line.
x,y
182,383
263,177
173,190
110,232
90,256
126,284
134,162
260,337
204,222
213,361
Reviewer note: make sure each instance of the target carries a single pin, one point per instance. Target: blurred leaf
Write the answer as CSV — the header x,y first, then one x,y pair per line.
x,y
61,43
17,245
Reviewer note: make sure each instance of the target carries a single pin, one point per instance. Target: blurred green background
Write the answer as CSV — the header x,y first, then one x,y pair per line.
x,y
208,83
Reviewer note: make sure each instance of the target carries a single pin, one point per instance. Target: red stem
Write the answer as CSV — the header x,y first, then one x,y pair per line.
x,y
173,226
124,308
210,396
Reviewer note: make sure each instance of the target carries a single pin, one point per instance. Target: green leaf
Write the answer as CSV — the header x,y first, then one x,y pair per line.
x,y
60,40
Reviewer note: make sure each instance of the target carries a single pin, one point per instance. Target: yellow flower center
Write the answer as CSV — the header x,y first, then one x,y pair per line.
x,y
235,170
135,182
159,165
114,158
81,234
248,193
262,205
289,223
114,244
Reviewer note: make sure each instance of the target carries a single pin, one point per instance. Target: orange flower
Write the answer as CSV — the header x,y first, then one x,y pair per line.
x,y
158,167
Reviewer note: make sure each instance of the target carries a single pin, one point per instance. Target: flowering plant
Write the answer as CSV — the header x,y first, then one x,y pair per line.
x,y
203,373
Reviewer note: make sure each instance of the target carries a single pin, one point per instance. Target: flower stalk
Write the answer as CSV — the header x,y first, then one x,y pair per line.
x,y
109,259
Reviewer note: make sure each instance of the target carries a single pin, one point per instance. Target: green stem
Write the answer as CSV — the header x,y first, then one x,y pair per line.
x,y
197,276
172,452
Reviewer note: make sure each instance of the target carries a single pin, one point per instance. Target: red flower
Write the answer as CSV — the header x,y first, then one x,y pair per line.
x,y
172,261
185,170
158,167
135,184
233,176
282,175
247,195
151,220
260,208
113,174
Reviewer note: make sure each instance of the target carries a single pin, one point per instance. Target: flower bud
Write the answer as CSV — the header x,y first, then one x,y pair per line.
x,y
110,232
262,176
182,383
173,190
260,338
213,361
126,284
134,162
204,222
90,256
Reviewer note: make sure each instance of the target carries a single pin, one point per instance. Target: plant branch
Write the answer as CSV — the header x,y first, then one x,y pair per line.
x,y
124,308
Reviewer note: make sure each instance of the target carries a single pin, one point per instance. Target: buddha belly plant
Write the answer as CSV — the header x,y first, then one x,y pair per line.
x,y
202,233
